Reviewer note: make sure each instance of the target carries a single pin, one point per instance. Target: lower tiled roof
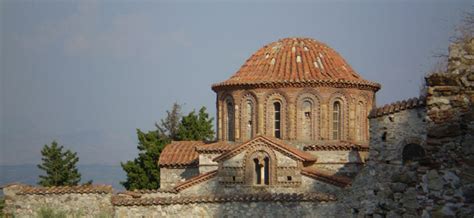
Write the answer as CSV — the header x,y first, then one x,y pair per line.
x,y
397,106
195,180
179,154
81,189
335,146
326,176
128,201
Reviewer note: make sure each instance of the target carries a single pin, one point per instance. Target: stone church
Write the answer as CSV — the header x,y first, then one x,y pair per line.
x,y
293,140
292,119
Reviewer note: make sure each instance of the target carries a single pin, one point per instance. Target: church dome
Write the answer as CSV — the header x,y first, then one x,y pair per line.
x,y
296,62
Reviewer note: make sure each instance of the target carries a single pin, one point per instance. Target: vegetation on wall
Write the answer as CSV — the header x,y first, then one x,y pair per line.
x,y
59,166
143,172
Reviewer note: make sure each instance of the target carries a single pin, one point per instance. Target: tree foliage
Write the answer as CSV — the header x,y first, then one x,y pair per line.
x,y
143,172
196,127
170,125
59,166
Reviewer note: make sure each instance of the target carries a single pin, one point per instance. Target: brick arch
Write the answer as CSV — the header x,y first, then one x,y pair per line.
x,y
248,167
344,100
243,119
270,98
315,99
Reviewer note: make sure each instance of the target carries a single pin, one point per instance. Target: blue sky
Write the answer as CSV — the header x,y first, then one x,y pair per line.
x,y
88,73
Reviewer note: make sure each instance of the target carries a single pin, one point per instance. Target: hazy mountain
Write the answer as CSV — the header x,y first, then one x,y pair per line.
x,y
100,174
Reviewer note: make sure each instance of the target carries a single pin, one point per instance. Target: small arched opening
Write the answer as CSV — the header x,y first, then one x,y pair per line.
x,y
413,152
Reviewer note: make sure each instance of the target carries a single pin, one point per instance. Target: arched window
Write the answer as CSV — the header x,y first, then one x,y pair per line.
x,y
230,121
413,152
277,120
359,125
307,120
262,170
336,121
248,118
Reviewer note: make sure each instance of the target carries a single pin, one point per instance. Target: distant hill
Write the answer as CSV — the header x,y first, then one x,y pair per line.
x,y
100,174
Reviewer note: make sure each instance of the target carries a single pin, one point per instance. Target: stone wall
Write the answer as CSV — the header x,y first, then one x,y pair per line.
x,y
170,177
232,209
439,182
83,201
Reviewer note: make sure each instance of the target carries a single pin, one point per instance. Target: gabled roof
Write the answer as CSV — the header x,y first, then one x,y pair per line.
x,y
326,176
277,144
179,154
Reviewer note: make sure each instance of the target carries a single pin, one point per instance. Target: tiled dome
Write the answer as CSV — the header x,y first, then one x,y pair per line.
x,y
295,60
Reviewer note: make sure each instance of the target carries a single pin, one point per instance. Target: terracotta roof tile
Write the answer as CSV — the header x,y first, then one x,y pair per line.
x,y
397,107
335,146
216,147
276,143
195,180
295,60
81,189
274,197
326,176
179,154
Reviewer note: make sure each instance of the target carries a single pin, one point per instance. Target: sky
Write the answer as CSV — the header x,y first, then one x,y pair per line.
x,y
89,73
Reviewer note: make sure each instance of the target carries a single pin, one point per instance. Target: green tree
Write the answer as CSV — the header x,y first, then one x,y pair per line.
x,y
59,165
196,127
170,125
143,172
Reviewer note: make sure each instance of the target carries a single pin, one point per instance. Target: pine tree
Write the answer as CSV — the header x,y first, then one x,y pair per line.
x,y
60,167
169,126
196,127
143,172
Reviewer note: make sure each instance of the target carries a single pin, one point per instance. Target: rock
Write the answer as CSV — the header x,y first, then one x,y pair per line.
x,y
398,187
451,178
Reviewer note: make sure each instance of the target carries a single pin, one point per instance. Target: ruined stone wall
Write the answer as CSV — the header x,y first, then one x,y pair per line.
x,y
440,181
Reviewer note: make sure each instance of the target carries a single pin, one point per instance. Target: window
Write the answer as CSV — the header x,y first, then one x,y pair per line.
x,y
277,119
249,119
336,121
230,121
307,124
262,170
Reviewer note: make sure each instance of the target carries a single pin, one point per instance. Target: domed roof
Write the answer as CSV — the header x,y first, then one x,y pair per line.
x,y
296,61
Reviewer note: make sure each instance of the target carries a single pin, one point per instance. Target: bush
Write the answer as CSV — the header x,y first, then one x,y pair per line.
x,y
47,212
2,205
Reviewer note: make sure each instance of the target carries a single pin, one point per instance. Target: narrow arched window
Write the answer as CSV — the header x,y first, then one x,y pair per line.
x,y
277,119
230,121
262,170
249,120
307,120
359,125
336,121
